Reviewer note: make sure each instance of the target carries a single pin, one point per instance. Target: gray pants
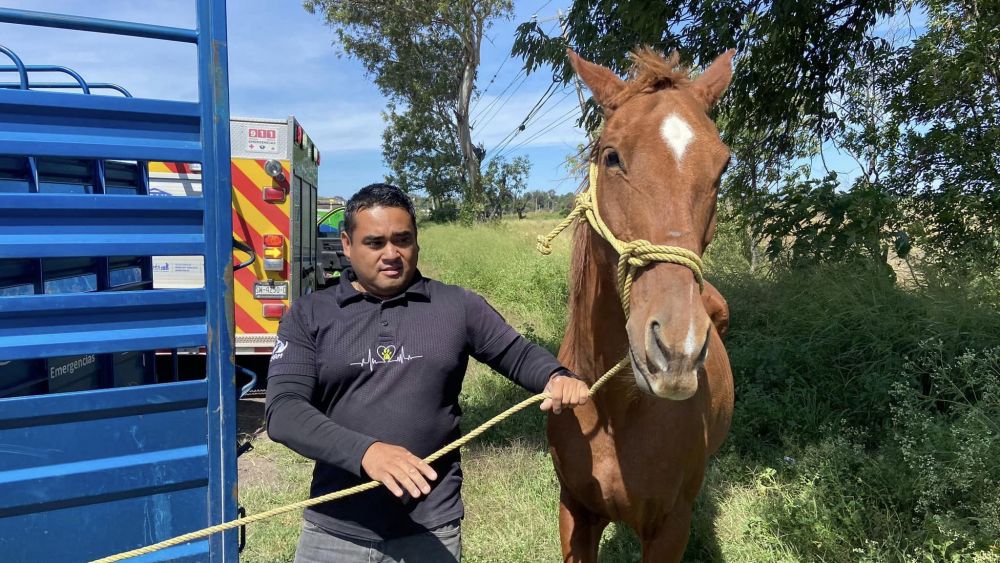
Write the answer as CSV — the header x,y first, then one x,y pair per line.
x,y
440,545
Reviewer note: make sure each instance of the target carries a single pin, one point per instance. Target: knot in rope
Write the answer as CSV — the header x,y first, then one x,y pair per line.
x,y
631,255
640,253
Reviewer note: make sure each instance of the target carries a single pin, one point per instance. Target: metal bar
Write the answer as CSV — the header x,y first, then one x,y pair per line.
x,y
80,82
32,175
66,86
67,125
213,94
98,25
61,484
105,403
53,225
37,326
18,65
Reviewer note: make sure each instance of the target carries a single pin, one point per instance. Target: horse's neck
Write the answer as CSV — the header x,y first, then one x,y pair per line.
x,y
595,336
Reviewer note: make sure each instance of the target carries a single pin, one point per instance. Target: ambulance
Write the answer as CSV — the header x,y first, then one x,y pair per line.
x,y
275,169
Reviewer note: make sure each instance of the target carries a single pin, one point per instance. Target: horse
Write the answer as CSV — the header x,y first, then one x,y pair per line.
x,y
637,452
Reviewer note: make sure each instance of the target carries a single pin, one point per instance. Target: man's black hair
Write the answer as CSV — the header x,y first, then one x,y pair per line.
x,y
377,195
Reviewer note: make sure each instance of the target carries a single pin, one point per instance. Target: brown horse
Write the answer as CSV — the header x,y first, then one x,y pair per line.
x,y
637,452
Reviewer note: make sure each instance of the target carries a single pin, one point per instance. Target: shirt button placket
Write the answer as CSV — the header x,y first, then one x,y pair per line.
x,y
385,331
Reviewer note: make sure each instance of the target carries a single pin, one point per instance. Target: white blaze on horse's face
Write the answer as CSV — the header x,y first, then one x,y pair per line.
x,y
677,133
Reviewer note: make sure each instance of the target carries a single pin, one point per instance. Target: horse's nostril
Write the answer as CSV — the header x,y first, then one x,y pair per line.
x,y
658,355
704,349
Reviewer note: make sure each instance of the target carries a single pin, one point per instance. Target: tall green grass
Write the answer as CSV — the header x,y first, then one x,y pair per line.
x,y
866,423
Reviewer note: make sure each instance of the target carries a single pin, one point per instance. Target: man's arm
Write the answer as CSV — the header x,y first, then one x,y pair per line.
x,y
294,421
496,344
292,418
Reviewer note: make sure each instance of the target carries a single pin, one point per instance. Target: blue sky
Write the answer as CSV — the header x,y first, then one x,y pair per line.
x,y
282,61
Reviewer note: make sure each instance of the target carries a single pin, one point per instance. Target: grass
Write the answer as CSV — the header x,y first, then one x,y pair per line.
x,y
271,475
865,425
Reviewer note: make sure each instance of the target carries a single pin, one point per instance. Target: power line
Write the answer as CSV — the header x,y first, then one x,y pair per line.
x,y
485,120
532,114
524,122
480,113
554,124
479,95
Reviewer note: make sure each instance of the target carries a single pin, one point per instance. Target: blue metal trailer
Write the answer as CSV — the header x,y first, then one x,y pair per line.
x,y
103,448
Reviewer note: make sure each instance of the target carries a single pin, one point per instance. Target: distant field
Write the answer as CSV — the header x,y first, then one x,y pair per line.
x,y
834,454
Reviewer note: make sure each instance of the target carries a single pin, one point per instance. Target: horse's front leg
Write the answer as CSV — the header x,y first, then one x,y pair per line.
x,y
579,531
668,543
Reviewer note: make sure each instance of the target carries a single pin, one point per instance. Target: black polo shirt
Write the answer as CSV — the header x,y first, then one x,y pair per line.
x,y
349,369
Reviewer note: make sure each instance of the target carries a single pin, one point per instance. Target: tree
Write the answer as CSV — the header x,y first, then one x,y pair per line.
x,y
423,56
949,111
504,185
793,57
421,157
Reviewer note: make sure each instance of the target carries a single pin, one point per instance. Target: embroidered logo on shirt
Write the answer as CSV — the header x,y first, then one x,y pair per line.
x,y
385,355
279,350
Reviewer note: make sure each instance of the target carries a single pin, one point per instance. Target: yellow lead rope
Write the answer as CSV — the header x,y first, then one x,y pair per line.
x,y
346,492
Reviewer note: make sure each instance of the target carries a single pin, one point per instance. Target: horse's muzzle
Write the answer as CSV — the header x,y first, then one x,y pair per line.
x,y
667,369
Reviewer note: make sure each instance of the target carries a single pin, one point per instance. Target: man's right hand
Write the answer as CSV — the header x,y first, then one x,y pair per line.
x,y
398,469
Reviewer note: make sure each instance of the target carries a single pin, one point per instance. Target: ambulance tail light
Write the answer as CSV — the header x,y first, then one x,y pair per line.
x,y
273,310
299,134
274,195
317,157
274,253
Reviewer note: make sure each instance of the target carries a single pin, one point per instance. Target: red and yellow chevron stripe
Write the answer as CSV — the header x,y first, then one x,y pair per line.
x,y
252,219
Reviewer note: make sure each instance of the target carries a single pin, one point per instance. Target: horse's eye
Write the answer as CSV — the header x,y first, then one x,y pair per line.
x,y
611,159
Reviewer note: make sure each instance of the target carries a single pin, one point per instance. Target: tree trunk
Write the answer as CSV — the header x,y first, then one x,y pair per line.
x,y
471,159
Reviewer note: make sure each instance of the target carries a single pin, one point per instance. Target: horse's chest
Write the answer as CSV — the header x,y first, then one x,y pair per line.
x,y
618,472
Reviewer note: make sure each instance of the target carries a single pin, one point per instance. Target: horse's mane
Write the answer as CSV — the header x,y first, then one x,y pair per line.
x,y
650,72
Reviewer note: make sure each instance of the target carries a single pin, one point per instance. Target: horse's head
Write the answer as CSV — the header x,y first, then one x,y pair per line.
x,y
660,160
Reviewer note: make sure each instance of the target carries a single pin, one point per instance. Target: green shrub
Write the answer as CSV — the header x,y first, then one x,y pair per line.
x,y
817,346
947,426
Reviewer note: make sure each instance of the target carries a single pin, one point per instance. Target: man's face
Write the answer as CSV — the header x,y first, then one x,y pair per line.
x,y
383,250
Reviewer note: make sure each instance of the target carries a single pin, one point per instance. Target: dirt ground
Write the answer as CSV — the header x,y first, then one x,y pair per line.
x,y
250,427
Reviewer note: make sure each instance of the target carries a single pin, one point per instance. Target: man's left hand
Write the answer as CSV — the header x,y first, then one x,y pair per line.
x,y
564,392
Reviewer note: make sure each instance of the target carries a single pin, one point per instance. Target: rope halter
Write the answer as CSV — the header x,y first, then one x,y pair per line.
x,y
631,255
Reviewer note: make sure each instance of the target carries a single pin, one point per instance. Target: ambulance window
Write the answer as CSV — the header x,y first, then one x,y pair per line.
x,y
121,177
73,373
65,175
19,378
125,276
18,276
60,188
72,284
12,290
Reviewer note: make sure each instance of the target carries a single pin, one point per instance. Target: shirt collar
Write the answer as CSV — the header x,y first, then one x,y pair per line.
x,y
346,293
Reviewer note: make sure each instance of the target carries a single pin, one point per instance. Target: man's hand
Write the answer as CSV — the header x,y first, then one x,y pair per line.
x,y
398,469
565,392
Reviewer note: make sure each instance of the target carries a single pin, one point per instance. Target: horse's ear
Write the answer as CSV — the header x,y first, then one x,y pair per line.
x,y
604,84
708,87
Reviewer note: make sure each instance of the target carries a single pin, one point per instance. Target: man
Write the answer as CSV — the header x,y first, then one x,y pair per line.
x,y
365,378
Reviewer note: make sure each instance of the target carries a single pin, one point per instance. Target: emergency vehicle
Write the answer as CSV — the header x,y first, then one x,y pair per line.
x,y
274,167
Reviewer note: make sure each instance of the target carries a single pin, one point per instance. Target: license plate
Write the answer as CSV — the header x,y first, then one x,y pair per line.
x,y
268,290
